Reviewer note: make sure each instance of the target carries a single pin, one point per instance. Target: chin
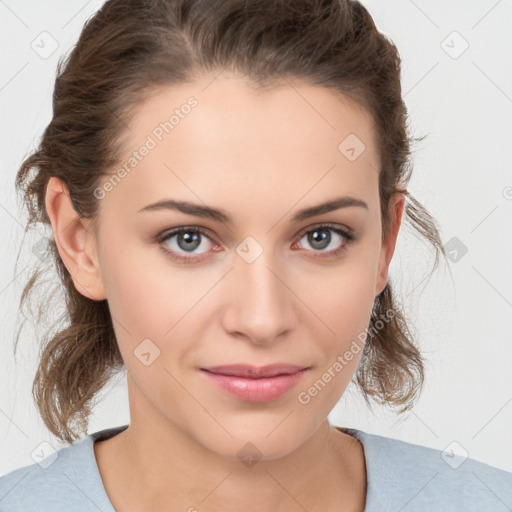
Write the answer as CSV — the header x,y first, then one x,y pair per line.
x,y
254,440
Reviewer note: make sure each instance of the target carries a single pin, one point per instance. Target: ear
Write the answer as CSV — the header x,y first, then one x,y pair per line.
x,y
75,241
396,208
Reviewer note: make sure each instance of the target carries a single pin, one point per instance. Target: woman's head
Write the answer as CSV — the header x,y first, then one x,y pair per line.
x,y
258,109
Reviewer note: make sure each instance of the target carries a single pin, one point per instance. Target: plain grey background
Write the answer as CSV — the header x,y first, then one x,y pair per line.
x,y
457,83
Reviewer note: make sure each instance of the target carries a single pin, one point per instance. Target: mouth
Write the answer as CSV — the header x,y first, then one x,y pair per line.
x,y
255,372
255,384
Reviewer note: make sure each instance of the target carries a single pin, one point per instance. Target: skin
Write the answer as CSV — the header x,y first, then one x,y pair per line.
x,y
259,156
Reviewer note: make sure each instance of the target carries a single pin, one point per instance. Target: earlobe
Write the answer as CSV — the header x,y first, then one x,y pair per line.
x,y
76,245
389,244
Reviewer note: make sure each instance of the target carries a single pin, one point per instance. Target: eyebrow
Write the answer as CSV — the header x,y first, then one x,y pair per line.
x,y
219,215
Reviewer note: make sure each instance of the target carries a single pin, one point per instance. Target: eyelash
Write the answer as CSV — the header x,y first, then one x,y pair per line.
x,y
348,235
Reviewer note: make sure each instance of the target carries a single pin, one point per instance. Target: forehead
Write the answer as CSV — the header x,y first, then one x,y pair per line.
x,y
221,134
228,110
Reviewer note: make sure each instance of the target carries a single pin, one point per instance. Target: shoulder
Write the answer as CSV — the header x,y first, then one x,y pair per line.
x,y
68,480
53,482
414,478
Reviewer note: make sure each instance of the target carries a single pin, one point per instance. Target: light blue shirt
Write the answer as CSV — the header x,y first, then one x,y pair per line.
x,y
401,477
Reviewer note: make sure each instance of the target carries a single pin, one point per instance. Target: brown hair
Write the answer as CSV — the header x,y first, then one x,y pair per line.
x,y
127,50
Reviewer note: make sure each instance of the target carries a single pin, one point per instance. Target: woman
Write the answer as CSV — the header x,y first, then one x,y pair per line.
x,y
269,137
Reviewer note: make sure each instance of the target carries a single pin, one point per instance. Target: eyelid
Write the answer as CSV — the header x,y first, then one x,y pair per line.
x,y
346,231
169,233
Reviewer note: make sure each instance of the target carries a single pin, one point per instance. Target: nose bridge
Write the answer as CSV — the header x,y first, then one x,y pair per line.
x,y
261,306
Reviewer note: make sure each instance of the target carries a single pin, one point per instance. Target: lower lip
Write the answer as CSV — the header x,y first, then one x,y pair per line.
x,y
255,390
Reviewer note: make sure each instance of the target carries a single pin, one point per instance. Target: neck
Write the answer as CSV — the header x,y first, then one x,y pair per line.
x,y
177,472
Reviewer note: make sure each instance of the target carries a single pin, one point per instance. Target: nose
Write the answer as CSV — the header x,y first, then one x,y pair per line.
x,y
261,307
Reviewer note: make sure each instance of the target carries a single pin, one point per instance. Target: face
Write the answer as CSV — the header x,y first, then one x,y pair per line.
x,y
254,283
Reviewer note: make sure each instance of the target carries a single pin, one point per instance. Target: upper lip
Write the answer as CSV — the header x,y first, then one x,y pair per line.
x,y
255,372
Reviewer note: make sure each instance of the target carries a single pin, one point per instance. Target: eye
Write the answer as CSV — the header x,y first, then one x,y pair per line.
x,y
186,239
187,244
322,240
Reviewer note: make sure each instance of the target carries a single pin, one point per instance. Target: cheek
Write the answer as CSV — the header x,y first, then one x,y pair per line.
x,y
155,301
136,298
346,310
145,293
342,297
344,305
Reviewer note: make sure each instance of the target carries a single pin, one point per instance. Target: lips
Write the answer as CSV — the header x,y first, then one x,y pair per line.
x,y
255,372
255,384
